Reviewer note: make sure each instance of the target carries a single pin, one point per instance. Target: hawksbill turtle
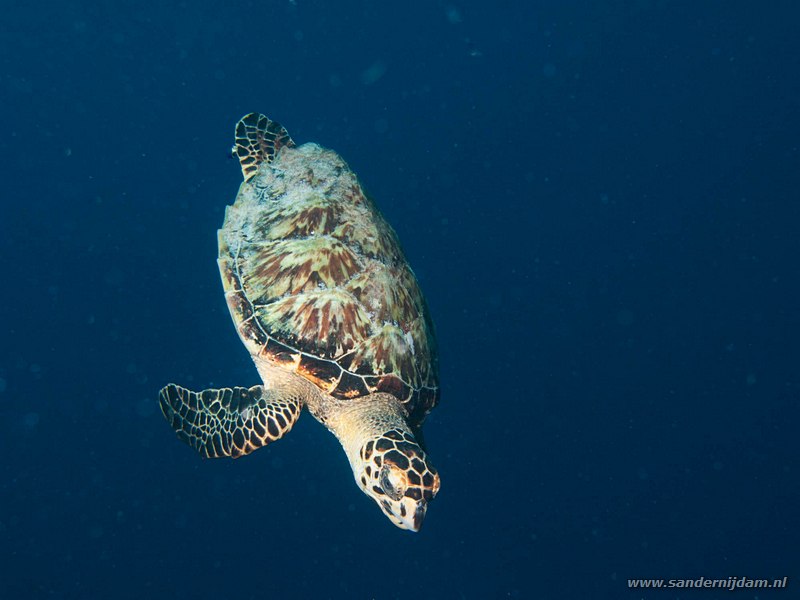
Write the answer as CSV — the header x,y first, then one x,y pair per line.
x,y
325,303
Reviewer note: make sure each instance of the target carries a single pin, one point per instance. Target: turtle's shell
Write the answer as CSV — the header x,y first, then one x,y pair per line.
x,y
316,282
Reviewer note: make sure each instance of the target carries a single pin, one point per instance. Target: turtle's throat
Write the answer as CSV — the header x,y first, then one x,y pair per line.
x,y
356,422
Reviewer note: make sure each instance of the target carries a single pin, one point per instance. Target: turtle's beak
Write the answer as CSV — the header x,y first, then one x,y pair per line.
x,y
413,517
419,515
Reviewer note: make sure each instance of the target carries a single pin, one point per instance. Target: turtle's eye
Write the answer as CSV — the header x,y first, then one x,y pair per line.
x,y
393,482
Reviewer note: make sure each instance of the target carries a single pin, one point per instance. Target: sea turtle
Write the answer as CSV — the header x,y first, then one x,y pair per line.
x,y
333,317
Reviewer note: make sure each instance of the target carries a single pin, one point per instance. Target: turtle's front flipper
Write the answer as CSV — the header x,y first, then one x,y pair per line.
x,y
229,421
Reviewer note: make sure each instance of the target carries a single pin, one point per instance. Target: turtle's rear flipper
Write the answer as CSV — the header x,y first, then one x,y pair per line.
x,y
229,421
258,140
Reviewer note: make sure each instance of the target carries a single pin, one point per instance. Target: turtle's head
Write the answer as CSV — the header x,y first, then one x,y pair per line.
x,y
395,472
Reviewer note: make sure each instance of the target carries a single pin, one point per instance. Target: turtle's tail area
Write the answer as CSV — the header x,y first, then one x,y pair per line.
x,y
258,140
229,422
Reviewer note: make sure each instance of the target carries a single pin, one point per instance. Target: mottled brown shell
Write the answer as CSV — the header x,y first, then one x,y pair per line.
x,y
316,281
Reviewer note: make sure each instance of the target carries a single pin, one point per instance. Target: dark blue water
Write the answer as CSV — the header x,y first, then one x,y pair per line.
x,y
600,200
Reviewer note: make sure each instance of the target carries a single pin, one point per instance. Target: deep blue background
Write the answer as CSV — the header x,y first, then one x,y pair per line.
x,y
600,200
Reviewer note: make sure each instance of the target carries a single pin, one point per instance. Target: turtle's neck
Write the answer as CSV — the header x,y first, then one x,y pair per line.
x,y
356,422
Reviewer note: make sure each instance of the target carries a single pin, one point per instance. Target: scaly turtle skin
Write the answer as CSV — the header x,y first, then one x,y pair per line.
x,y
333,317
